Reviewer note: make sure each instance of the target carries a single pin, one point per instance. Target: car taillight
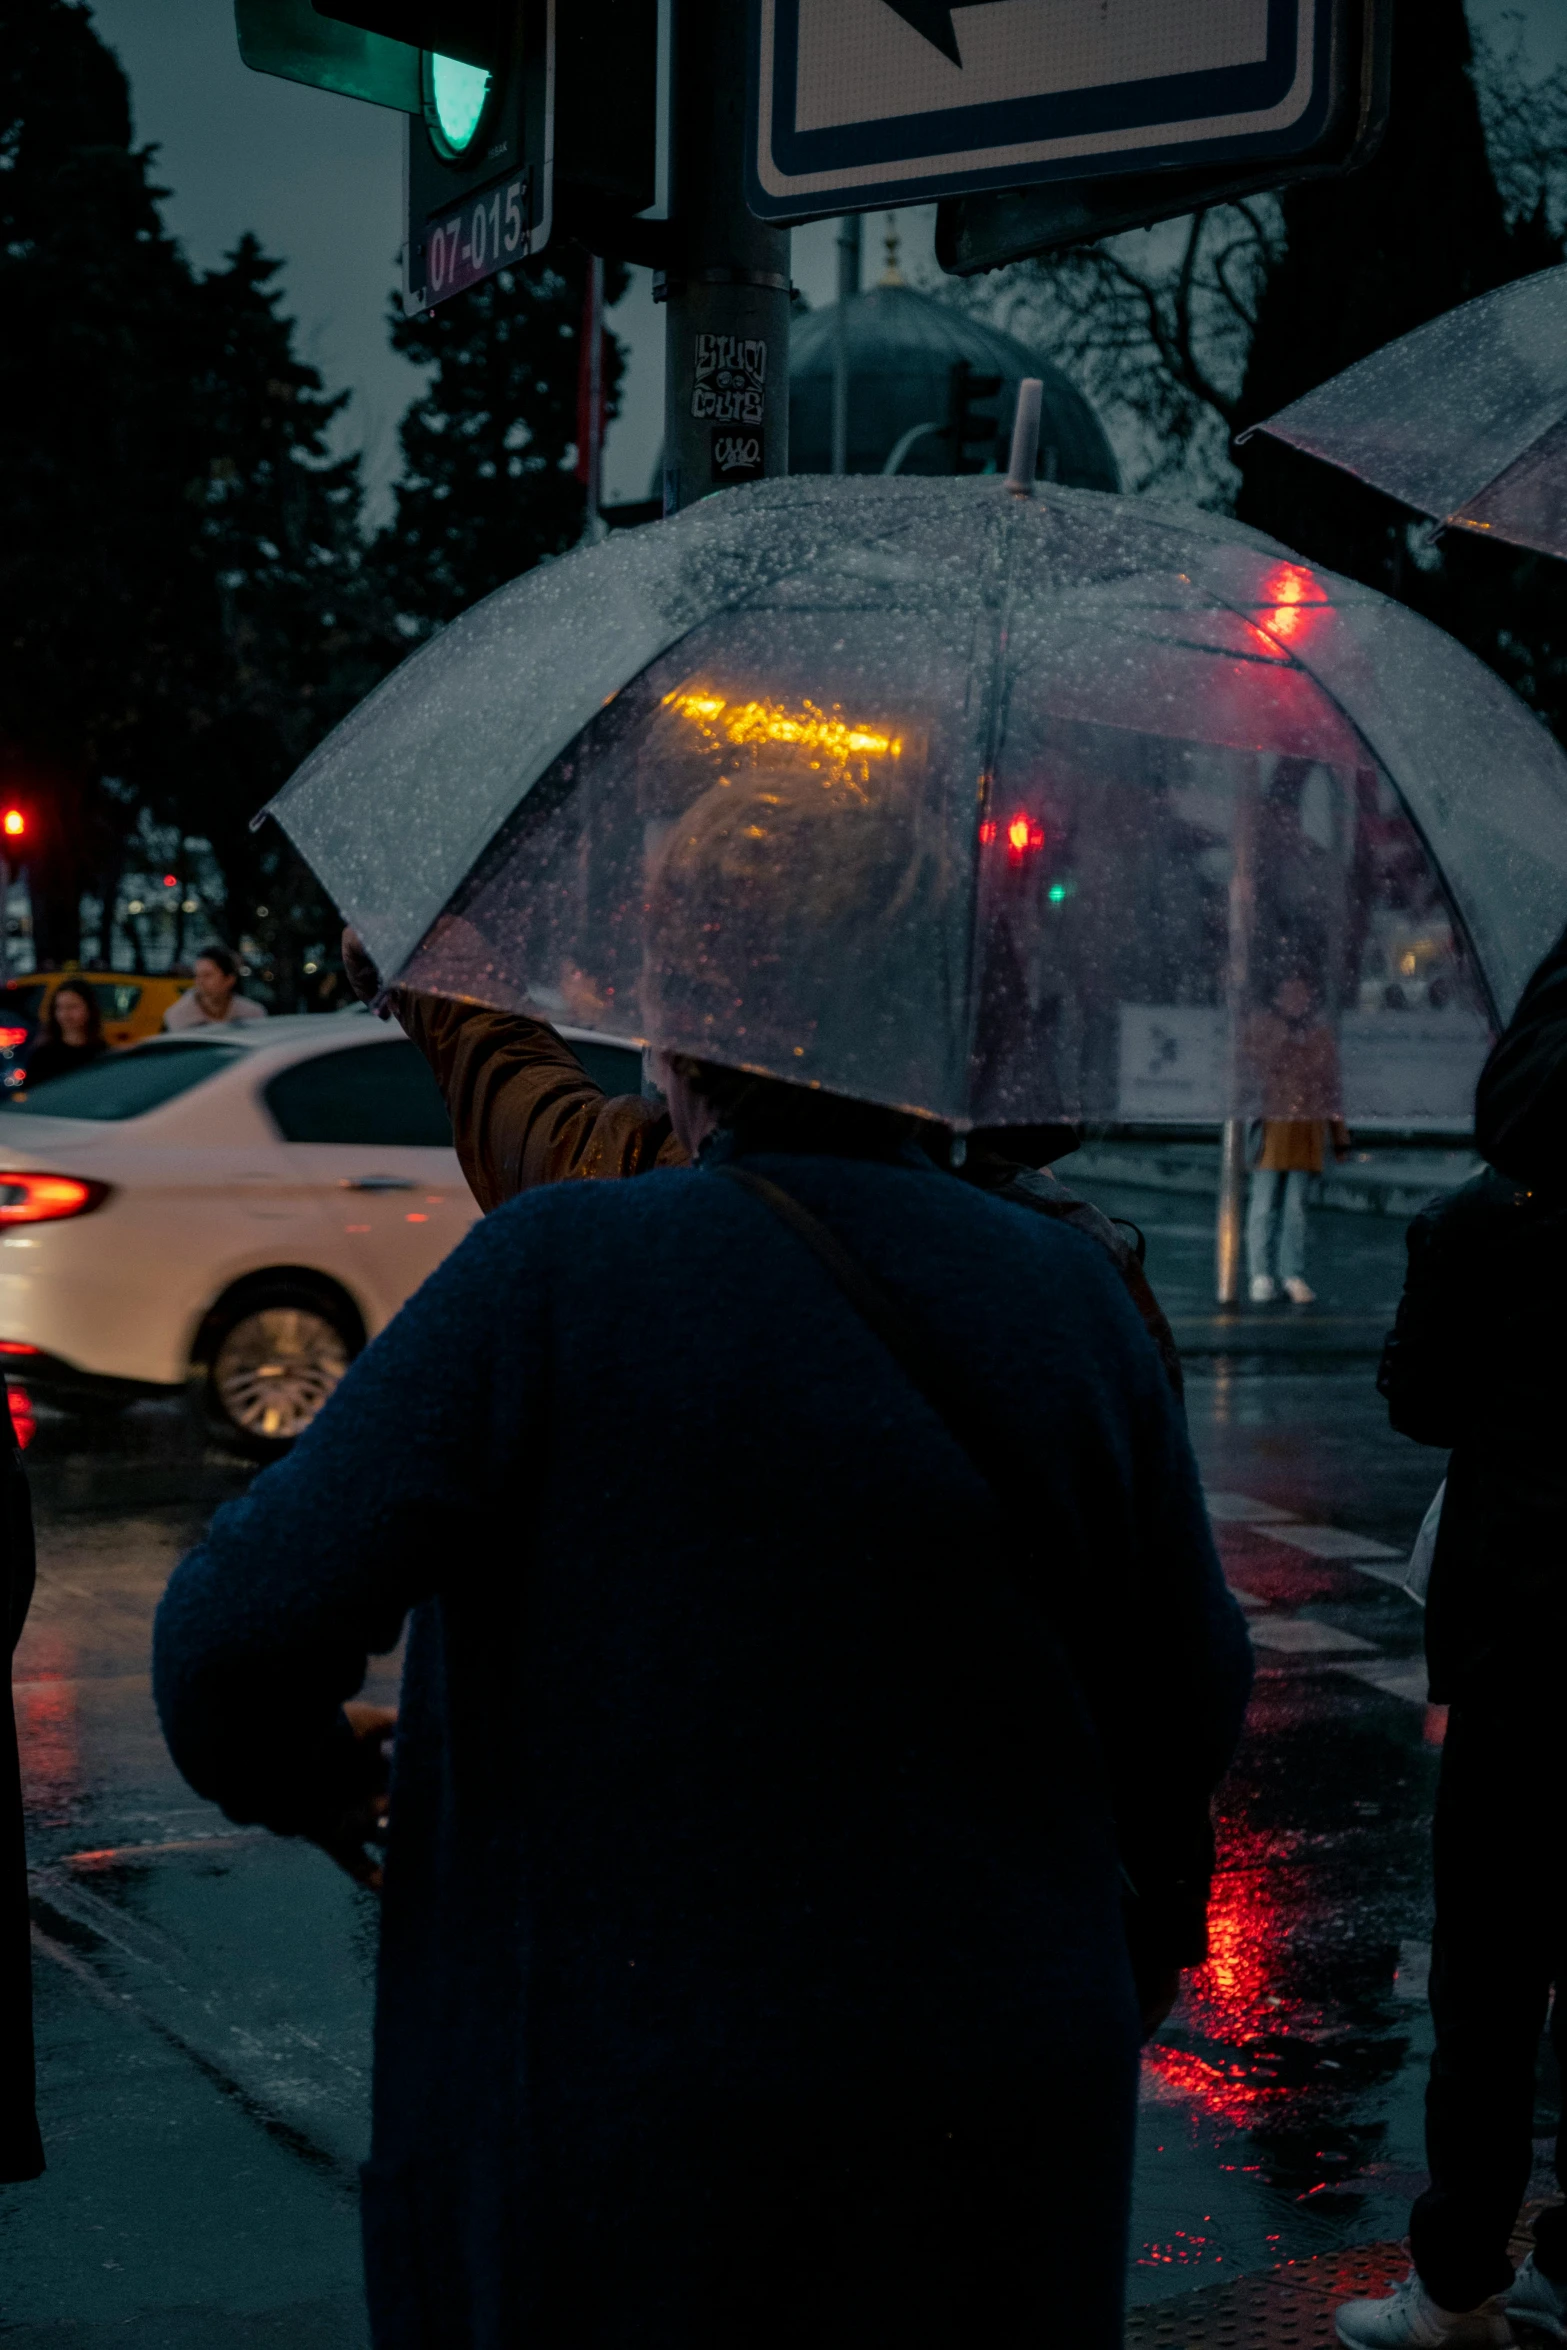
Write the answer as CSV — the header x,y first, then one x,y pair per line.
x,y
11,1038
45,1199
23,1419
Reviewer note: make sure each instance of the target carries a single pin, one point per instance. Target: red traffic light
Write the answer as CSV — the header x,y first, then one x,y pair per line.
x,y
13,824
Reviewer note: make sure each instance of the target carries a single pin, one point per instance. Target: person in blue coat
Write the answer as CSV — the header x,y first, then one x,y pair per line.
x,y
784,1845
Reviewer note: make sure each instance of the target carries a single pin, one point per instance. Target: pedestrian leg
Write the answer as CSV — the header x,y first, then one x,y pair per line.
x,y
1490,1979
1292,1227
1259,1226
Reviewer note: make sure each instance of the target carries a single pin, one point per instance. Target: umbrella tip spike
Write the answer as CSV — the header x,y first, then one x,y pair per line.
x,y
1025,437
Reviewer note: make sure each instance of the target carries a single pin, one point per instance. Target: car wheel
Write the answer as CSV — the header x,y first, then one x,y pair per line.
x,y
272,1361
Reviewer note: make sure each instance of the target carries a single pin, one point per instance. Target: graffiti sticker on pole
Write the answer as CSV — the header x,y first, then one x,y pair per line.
x,y
730,384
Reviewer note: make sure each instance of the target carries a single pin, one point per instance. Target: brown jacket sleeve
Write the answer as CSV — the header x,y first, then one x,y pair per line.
x,y
523,1108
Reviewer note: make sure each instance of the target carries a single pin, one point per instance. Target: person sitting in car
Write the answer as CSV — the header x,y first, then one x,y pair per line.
x,y
215,998
72,1034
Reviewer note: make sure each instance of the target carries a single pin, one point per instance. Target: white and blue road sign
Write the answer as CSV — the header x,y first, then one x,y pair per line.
x,y
862,103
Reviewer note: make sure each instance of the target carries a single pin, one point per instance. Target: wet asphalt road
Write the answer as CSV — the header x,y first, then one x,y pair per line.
x,y
203,1995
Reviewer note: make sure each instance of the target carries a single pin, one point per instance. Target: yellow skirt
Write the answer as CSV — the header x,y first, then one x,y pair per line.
x,y
1291,1146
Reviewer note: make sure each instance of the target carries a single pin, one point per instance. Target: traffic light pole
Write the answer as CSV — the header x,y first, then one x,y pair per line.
x,y
849,232
726,368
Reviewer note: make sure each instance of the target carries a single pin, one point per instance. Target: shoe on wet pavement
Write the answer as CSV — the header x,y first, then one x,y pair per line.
x,y
1538,2300
1263,1291
1299,1293
1409,2319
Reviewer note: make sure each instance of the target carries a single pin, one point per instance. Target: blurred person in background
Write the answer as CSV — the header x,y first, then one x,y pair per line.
x,y
1478,1361
215,997
1291,1055
73,1034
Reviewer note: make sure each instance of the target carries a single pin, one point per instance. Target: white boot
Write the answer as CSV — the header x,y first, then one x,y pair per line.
x,y
1538,2300
1410,2320
1262,1289
1299,1293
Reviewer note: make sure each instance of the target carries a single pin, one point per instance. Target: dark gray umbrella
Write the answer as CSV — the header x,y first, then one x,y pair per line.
x,y
1003,809
1465,419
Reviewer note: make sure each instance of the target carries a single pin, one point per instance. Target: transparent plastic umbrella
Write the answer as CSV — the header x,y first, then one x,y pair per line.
x,y
1465,419
1002,809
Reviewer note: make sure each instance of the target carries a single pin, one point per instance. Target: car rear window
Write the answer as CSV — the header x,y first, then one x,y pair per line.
x,y
379,1094
617,1068
117,998
124,1085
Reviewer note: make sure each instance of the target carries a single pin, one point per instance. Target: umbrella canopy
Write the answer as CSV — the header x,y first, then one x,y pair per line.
x,y
1000,809
1465,419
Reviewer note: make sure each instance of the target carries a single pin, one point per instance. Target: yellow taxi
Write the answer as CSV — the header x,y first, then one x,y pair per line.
x,y
132,1003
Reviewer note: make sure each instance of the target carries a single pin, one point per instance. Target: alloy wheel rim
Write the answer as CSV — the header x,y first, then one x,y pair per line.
x,y
276,1368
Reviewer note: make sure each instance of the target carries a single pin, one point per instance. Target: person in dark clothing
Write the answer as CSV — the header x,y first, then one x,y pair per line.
x,y
1476,1362
21,2149
765,1817
1521,1099
524,1111
73,1034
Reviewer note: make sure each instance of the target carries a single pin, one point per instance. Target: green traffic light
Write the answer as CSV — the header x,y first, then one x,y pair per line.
x,y
456,94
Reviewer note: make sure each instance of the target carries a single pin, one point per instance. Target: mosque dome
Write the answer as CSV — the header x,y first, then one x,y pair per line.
x,y
903,347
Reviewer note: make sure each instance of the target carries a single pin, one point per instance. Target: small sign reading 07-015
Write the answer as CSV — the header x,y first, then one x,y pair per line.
x,y
472,240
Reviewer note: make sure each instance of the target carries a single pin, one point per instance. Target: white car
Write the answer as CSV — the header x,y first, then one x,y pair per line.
x,y
238,1208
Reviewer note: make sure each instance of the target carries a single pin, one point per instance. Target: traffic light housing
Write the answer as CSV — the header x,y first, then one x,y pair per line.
x,y
472,31
513,134
596,62
291,39
971,431
480,189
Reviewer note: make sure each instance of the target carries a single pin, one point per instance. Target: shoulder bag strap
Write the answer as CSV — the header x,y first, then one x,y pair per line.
x,y
913,1347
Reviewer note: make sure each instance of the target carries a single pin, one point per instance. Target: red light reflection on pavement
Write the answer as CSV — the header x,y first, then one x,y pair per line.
x,y
48,1727
1232,2003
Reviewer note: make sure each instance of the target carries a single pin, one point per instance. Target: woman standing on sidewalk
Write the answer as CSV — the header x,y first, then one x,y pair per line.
x,y
1292,1061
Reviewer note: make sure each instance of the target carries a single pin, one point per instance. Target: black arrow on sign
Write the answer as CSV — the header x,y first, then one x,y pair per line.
x,y
932,19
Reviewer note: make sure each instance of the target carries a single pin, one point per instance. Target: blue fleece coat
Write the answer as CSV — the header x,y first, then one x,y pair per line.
x,y
753,1968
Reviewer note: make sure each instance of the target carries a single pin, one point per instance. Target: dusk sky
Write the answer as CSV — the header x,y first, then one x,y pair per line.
x,y
319,179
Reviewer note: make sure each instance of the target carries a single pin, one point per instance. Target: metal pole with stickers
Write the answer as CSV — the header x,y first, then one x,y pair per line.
x,y
726,363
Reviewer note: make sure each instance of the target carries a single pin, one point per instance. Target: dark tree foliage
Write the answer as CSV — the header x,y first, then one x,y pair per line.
x,y
97,549
487,488
182,610
295,633
1367,258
